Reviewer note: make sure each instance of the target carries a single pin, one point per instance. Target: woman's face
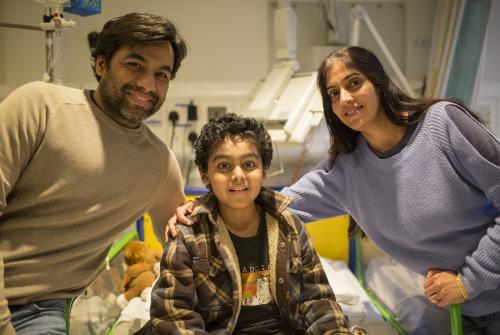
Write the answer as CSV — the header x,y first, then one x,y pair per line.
x,y
353,97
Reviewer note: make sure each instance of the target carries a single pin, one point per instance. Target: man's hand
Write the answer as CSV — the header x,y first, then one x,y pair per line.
x,y
180,215
441,288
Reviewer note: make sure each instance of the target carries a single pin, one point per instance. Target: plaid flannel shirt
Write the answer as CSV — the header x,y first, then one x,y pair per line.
x,y
199,288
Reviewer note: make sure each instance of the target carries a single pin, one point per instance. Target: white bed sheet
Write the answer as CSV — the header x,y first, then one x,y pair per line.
x,y
354,301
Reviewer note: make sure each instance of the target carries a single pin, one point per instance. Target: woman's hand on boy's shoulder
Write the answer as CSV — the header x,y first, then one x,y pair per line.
x,y
180,216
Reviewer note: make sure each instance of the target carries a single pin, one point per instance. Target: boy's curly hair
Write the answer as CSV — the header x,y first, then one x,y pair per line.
x,y
232,126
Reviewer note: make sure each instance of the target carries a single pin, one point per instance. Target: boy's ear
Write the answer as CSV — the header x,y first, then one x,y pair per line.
x,y
204,177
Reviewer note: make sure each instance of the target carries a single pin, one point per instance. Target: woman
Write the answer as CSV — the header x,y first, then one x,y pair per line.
x,y
420,177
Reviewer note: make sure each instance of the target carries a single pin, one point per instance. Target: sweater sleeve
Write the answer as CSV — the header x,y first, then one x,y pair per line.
x,y
319,193
23,117
173,297
6,327
475,154
169,197
320,312
22,125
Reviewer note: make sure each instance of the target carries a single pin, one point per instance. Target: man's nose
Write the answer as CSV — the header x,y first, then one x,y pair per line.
x,y
146,81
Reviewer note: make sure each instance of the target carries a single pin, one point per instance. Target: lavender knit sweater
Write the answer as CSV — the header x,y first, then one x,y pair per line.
x,y
435,204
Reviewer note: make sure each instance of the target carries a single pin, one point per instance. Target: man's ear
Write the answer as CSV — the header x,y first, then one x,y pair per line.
x,y
100,66
204,177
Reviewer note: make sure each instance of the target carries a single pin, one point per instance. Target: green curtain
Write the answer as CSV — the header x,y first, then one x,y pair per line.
x,y
468,50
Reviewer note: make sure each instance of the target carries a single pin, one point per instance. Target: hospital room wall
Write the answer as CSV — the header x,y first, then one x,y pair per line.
x,y
231,41
228,39
231,48
231,45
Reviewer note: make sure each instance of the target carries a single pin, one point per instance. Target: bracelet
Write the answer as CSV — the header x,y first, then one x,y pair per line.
x,y
461,287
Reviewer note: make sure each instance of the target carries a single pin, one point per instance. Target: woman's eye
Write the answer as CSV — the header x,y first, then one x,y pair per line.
x,y
333,94
355,82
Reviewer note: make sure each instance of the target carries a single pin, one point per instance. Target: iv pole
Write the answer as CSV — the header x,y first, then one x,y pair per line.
x,y
53,21
359,14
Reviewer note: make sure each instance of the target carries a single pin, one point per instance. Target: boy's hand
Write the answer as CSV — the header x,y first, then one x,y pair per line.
x,y
180,215
441,288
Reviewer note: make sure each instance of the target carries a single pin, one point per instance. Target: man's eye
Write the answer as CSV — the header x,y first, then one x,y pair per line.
x,y
163,76
134,66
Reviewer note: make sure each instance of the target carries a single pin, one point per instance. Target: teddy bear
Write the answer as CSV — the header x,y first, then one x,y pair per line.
x,y
140,274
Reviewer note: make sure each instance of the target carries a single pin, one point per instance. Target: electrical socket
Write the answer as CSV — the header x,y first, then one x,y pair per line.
x,y
215,111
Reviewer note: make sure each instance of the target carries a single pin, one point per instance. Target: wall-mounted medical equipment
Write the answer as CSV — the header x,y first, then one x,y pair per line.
x,y
359,15
287,102
53,23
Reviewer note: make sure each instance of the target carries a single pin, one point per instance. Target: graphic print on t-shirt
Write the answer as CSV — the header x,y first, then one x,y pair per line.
x,y
259,313
255,285
253,256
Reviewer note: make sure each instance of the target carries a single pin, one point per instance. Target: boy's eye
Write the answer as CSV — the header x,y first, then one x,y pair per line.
x,y
223,166
250,165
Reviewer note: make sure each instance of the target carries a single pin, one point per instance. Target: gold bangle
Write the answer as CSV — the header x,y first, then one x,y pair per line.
x,y
461,287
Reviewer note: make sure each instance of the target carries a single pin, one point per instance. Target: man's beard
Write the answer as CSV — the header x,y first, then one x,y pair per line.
x,y
117,103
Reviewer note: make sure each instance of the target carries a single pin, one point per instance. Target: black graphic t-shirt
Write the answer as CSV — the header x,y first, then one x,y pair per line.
x,y
259,313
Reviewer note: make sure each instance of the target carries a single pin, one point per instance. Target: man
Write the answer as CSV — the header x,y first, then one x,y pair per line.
x,y
77,168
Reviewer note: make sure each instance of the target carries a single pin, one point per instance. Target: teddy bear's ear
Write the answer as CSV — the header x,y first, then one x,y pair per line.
x,y
140,252
134,252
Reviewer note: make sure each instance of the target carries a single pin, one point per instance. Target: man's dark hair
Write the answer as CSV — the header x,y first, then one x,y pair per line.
x,y
232,126
138,28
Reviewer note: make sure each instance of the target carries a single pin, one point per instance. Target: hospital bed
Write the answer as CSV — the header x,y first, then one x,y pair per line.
x,y
336,250
331,241
96,312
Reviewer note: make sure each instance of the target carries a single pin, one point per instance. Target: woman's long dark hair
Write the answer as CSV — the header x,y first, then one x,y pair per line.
x,y
400,108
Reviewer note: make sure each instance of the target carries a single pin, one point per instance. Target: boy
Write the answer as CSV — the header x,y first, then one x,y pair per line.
x,y
248,267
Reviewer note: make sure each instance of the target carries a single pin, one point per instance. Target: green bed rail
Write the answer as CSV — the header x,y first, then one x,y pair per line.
x,y
455,309
387,315
456,319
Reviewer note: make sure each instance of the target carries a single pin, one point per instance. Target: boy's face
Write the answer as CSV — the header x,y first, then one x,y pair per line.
x,y
235,174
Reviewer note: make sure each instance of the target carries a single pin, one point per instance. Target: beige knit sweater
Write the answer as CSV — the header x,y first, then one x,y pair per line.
x,y
71,181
